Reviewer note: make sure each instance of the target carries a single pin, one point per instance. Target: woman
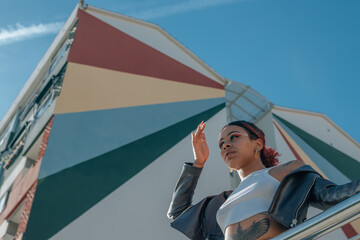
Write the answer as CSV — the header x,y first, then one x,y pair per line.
x,y
268,200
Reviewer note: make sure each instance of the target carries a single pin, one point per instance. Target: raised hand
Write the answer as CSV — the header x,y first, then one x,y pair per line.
x,y
200,147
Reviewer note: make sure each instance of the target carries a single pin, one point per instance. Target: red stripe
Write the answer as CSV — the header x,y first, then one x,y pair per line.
x,y
101,45
297,156
349,230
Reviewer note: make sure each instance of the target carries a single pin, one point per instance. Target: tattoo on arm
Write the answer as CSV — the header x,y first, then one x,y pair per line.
x,y
256,230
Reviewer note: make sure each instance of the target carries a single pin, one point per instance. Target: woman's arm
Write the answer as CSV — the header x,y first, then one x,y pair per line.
x,y
184,190
190,174
195,221
185,217
326,194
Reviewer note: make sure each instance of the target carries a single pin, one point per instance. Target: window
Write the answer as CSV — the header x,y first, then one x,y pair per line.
x,y
9,131
3,201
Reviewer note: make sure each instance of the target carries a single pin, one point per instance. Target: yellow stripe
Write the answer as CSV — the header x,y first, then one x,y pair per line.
x,y
87,88
356,225
298,150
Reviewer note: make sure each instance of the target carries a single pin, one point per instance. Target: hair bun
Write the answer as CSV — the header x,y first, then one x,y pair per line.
x,y
269,157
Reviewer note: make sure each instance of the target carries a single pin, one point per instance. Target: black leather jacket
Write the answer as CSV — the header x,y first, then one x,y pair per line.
x,y
299,189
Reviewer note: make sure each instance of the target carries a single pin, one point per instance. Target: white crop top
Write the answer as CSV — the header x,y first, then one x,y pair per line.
x,y
253,195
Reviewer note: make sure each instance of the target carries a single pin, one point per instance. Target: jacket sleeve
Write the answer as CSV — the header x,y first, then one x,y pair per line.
x,y
185,217
326,194
184,190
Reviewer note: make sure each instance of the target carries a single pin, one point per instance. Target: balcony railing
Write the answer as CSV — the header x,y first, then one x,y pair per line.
x,y
327,221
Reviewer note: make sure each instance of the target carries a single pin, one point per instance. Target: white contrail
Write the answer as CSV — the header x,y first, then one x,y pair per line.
x,y
20,33
183,7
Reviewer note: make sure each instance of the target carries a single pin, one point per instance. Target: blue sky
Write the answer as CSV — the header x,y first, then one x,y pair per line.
x,y
300,54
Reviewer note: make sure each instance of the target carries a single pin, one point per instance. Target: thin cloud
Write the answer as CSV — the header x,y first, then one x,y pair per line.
x,y
20,33
183,7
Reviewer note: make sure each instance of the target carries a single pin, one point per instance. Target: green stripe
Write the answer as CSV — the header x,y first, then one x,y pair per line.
x,y
66,195
344,163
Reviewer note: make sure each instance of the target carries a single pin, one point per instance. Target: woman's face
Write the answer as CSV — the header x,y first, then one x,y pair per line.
x,y
236,148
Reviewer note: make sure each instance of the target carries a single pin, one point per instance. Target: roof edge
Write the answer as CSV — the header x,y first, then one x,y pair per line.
x,y
34,79
228,81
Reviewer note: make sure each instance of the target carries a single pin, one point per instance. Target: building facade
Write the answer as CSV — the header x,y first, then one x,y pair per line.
x,y
93,145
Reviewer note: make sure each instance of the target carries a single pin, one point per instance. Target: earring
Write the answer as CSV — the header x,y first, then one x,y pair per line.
x,y
256,153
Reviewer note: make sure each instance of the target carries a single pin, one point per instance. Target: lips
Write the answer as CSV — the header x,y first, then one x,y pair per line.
x,y
229,153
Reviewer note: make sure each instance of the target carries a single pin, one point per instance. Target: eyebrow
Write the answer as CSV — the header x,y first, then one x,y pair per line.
x,y
229,134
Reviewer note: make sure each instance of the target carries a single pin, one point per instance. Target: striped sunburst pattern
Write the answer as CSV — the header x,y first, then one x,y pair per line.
x,y
130,97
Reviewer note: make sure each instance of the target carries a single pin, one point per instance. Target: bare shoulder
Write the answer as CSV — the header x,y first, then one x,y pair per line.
x,y
279,172
291,166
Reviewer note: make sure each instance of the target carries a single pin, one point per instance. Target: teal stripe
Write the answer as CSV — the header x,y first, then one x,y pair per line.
x,y
98,132
327,168
344,163
66,195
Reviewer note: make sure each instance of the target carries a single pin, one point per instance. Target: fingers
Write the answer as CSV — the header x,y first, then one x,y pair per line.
x,y
200,129
203,126
200,148
199,134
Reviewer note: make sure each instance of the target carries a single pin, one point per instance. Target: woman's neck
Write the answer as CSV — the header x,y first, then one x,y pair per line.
x,y
248,169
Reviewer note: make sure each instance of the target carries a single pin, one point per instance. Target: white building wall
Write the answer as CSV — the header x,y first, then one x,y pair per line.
x,y
137,209
282,147
267,126
318,126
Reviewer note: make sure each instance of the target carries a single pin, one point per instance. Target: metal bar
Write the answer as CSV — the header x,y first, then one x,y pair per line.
x,y
230,114
242,109
262,115
253,91
326,221
250,101
238,96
